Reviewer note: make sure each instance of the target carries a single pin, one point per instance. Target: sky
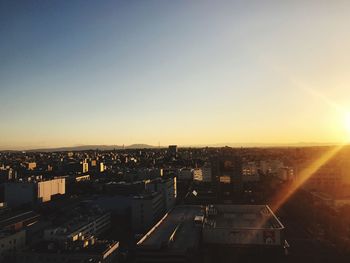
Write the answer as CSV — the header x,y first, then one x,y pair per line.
x,y
173,72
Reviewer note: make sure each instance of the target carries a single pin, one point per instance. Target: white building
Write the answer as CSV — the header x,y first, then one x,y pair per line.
x,y
47,189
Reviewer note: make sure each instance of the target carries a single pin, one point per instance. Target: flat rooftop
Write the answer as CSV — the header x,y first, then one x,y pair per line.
x,y
241,217
14,218
175,231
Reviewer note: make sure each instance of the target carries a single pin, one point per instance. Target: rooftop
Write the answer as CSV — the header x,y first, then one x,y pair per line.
x,y
241,217
99,247
16,217
175,231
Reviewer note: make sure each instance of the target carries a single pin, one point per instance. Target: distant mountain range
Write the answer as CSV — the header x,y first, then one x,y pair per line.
x,y
147,146
93,147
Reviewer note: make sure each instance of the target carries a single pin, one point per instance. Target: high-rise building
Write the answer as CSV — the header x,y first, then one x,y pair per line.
x,y
172,150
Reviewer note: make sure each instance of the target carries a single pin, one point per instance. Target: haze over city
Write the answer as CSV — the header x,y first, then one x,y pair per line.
x,y
185,72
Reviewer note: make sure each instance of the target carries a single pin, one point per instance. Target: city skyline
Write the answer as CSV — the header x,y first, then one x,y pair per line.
x,y
174,72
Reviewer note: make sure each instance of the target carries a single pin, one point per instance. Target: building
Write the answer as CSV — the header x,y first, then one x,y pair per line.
x,y
207,173
11,242
168,189
185,174
21,193
93,223
15,221
230,177
172,150
270,167
329,200
146,210
85,166
102,167
250,172
175,238
329,178
31,166
47,189
81,251
286,174
246,226
197,174
82,178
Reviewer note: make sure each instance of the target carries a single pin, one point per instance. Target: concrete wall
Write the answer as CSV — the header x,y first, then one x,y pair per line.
x,y
47,189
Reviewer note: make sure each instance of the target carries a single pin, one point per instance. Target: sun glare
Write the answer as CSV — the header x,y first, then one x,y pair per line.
x,y
347,123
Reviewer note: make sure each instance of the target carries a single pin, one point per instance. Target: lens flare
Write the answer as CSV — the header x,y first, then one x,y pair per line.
x,y
303,176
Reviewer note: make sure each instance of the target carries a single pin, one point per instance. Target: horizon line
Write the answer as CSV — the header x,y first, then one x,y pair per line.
x,y
148,146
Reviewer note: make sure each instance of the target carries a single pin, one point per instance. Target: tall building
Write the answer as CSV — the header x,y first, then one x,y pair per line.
x,y
172,150
85,166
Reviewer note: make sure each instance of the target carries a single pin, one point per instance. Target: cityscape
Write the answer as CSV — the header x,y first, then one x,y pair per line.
x,y
174,131
176,205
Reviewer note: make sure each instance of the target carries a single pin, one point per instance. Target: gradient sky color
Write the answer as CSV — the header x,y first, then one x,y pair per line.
x,y
183,72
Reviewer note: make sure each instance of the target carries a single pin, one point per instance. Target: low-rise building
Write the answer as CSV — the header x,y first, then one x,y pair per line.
x,y
243,226
11,242
79,227
175,238
88,250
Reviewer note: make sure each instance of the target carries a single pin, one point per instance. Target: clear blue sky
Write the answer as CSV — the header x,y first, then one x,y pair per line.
x,y
184,72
